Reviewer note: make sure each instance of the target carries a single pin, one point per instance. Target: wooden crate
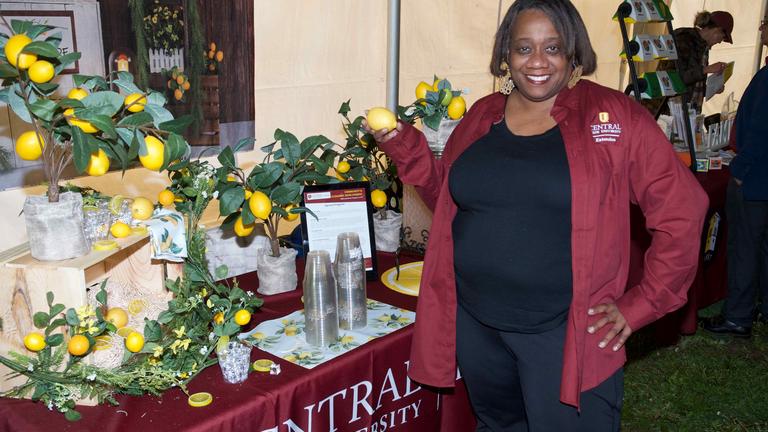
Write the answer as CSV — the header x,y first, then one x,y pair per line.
x,y
24,282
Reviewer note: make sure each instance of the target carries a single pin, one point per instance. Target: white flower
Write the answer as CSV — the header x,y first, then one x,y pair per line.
x,y
30,367
91,377
50,406
274,369
203,350
250,294
211,336
204,194
215,194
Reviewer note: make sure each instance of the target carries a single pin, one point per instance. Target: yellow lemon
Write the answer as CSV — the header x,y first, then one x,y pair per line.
x,y
347,339
421,90
260,205
242,317
385,318
218,318
457,107
115,204
248,194
34,341
85,126
242,230
381,118
78,345
41,71
343,167
378,198
99,163
14,46
141,208
153,160
135,102
77,93
436,84
125,332
291,330
201,399
29,145
291,216
165,197
120,230
134,342
117,316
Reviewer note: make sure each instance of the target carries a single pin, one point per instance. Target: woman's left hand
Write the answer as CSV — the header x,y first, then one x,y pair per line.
x,y
619,327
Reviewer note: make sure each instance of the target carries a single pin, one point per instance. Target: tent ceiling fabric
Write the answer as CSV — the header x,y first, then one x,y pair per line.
x,y
312,56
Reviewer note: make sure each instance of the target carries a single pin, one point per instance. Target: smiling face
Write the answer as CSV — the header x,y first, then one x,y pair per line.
x,y
537,59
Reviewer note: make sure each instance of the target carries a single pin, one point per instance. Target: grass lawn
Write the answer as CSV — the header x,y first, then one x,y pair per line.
x,y
701,384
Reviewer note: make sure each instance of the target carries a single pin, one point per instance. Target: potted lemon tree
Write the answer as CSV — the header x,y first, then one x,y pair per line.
x,y
270,193
92,127
362,159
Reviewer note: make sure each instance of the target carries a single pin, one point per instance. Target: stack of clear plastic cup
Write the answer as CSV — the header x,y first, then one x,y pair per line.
x,y
350,281
320,314
96,221
235,361
124,212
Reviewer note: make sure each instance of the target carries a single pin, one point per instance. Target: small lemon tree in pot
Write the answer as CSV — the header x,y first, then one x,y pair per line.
x,y
362,159
92,127
271,192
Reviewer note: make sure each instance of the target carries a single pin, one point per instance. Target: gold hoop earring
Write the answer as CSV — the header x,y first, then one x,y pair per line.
x,y
575,76
507,85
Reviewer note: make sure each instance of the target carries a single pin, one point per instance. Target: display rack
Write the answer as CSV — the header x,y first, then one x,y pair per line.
x,y
623,13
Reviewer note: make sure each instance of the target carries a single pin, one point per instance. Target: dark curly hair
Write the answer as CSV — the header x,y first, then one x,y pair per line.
x,y
568,24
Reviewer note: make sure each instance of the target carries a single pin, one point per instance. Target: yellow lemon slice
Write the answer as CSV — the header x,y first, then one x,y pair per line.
x,y
409,280
201,399
104,245
125,331
102,343
136,306
115,203
139,230
263,365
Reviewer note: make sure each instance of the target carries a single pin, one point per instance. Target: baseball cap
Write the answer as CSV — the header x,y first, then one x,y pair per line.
x,y
724,20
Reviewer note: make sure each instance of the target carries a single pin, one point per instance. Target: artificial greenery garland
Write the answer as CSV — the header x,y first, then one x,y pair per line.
x,y
195,61
142,52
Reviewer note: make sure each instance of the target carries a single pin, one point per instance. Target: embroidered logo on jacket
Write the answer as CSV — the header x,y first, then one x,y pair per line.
x,y
605,131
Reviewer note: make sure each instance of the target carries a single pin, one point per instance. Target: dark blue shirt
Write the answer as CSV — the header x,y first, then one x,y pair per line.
x,y
751,164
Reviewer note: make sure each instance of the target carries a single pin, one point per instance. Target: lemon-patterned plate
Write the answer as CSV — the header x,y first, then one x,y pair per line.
x,y
408,282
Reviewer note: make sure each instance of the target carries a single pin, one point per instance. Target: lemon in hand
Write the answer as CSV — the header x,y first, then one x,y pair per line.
x,y
153,160
14,46
34,341
378,198
260,205
381,118
120,230
98,164
135,102
142,208
41,71
29,145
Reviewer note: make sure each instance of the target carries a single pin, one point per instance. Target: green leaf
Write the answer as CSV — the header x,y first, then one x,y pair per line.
x,y
40,390
165,317
46,88
268,148
267,175
41,48
242,143
230,220
65,61
101,296
175,148
310,144
56,309
319,165
433,121
40,319
290,146
247,215
344,108
138,119
69,103
55,340
72,318
159,114
178,125
8,71
221,272
227,158
125,83
72,415
156,98
286,193
17,103
151,330
36,30
104,124
108,102
231,200
81,150
19,26
49,298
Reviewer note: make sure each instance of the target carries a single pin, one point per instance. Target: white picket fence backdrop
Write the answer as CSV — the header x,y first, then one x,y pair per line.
x,y
159,60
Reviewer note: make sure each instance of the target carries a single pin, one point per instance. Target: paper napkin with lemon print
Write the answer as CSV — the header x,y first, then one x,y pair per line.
x,y
284,337
167,235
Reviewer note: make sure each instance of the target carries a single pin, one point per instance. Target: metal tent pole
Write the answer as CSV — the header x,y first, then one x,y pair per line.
x,y
393,53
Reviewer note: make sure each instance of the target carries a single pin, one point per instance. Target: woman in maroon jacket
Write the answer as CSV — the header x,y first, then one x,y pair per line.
x,y
525,271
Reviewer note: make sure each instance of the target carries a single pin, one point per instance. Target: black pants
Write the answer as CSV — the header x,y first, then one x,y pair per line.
x,y
513,380
747,256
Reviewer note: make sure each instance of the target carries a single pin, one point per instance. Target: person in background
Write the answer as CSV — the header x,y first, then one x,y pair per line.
x,y
693,45
525,273
747,213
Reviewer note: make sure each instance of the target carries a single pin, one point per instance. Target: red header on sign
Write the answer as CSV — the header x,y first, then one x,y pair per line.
x,y
335,196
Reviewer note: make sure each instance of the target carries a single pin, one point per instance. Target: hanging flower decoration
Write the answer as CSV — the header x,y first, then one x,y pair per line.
x,y
164,27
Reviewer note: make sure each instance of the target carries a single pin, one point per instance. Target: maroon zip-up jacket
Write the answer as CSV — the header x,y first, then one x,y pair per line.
x,y
616,155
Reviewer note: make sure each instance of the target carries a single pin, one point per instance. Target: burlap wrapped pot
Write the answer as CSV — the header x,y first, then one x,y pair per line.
x,y
276,274
55,230
387,231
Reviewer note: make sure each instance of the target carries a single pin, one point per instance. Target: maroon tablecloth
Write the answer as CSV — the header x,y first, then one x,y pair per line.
x,y
711,278
365,389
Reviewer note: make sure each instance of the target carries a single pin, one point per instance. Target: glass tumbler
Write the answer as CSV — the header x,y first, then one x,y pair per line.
x,y
234,361
96,221
320,310
350,282
122,213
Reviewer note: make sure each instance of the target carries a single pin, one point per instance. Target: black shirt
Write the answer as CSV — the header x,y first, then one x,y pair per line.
x,y
512,230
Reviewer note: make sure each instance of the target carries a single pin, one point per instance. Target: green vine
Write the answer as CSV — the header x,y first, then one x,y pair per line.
x,y
196,62
142,54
